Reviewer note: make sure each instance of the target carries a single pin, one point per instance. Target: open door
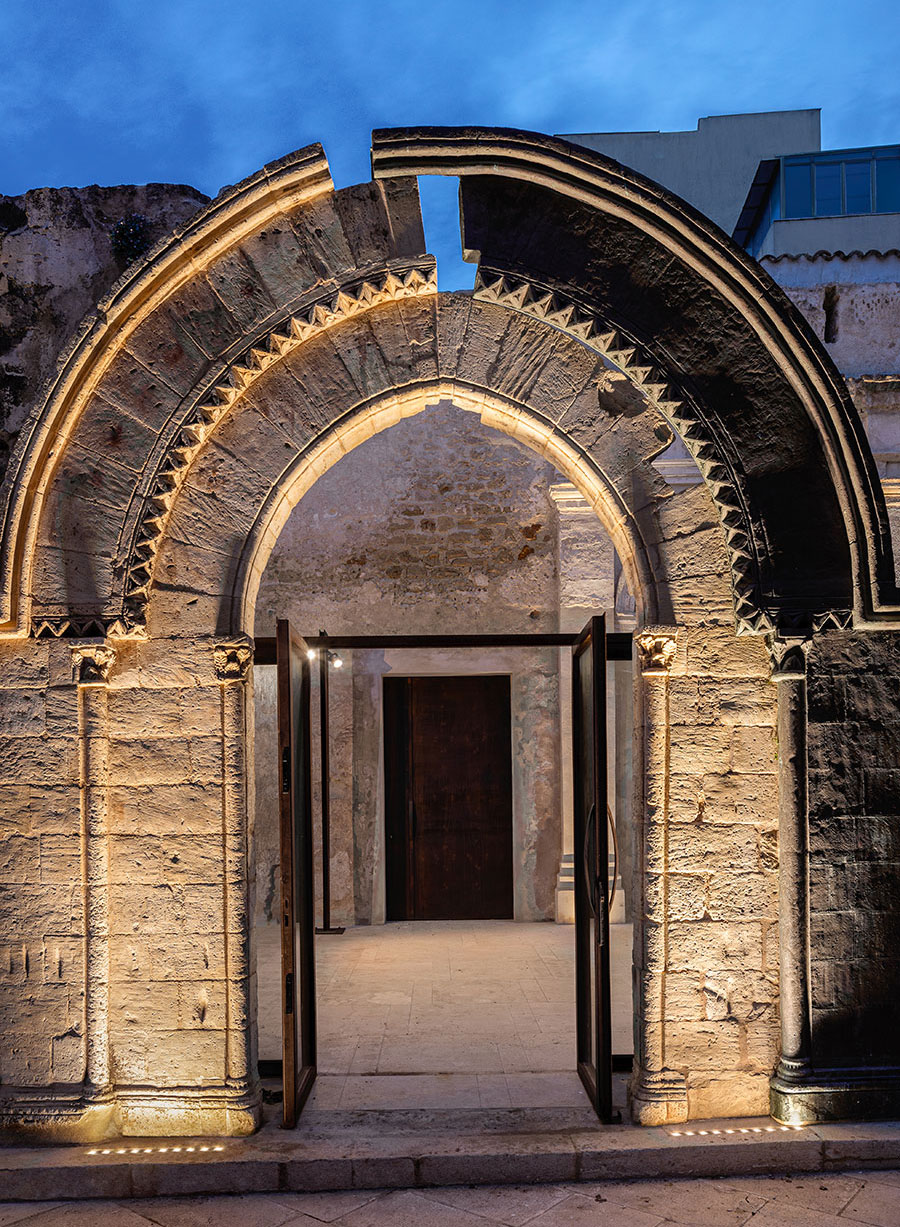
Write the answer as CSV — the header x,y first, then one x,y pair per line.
x,y
298,984
592,990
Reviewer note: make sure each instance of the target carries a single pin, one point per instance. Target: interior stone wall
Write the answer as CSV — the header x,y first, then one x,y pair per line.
x,y
854,831
438,525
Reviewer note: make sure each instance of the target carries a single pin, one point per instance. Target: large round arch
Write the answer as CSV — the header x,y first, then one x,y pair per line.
x,y
280,328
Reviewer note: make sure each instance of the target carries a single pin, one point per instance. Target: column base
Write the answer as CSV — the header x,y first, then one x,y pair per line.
x,y
658,1098
835,1095
52,1115
565,891
55,1115
225,1111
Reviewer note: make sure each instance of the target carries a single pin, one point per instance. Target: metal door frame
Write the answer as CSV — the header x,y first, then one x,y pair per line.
x,y
270,650
298,968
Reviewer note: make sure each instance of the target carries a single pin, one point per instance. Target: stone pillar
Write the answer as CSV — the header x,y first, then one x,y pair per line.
x,y
91,666
565,883
233,660
658,1094
789,658
587,567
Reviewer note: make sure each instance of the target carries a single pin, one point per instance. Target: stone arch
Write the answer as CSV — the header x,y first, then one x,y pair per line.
x,y
215,378
607,250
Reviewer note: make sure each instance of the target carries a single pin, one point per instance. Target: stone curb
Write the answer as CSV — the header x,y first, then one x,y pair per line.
x,y
267,1164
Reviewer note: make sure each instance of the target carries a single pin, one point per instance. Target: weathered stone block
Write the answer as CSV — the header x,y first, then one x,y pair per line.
x,y
745,897
711,944
687,895
166,908
704,1046
753,749
67,1056
712,847
60,858
23,664
166,809
38,760
19,859
717,652
152,859
143,958
22,713
713,1096
700,748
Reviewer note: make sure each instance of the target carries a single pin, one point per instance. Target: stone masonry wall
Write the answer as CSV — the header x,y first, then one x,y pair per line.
x,y
41,892
854,751
720,1011
57,259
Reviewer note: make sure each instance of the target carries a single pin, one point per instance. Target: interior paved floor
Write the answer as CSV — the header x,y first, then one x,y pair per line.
x,y
450,1015
833,1200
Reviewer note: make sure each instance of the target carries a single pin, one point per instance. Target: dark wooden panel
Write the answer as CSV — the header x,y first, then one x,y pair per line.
x,y
462,798
397,799
448,798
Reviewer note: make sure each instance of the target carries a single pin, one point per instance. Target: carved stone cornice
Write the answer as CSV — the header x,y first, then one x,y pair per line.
x,y
168,473
656,650
233,659
788,656
91,663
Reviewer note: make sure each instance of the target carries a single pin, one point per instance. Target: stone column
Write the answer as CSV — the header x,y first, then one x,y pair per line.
x,y
233,660
586,560
658,1094
91,666
789,658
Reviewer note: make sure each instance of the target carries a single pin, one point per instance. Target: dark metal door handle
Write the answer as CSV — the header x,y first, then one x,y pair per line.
x,y
588,858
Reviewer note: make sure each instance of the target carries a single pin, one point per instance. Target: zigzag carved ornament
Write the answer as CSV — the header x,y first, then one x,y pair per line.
x,y
200,422
539,301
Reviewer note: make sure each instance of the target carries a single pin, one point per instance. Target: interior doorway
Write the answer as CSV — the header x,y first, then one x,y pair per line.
x,y
589,654
448,798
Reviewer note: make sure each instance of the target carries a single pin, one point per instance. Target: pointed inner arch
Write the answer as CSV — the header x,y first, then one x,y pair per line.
x,y
499,413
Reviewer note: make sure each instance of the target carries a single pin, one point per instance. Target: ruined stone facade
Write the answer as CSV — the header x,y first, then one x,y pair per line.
x,y
172,483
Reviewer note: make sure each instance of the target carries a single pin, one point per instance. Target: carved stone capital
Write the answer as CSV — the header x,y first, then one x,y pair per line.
x,y
788,656
233,659
91,663
656,649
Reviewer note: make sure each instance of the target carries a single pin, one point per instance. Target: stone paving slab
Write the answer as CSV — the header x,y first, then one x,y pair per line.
x,y
821,1200
382,1155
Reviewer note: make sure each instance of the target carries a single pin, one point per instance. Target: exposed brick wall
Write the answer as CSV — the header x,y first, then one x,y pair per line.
x,y
854,817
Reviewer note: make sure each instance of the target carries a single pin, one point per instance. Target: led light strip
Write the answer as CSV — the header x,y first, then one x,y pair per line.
x,y
702,1133
154,1150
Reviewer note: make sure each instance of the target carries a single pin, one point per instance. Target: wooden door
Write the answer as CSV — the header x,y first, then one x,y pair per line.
x,y
592,987
448,798
298,985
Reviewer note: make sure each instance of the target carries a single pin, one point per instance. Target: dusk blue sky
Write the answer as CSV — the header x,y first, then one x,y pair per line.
x,y
206,91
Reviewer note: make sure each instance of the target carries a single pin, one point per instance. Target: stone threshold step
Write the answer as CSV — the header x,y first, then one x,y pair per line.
x,y
275,1161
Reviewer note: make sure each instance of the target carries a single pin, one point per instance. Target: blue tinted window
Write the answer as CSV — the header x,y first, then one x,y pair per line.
x,y
828,189
887,185
858,186
797,190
